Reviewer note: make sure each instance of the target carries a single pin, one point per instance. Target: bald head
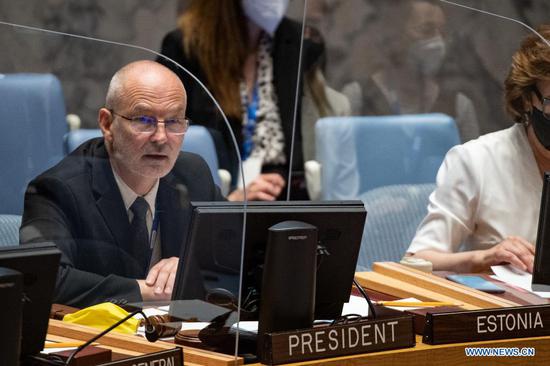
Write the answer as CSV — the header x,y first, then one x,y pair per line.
x,y
143,72
138,90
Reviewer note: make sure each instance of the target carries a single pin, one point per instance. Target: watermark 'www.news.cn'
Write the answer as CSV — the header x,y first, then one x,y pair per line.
x,y
499,351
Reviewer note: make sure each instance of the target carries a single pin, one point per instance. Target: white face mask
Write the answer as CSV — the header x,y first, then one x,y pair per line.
x,y
427,55
266,14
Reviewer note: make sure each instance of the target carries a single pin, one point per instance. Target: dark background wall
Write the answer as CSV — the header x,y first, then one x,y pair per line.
x,y
481,46
83,66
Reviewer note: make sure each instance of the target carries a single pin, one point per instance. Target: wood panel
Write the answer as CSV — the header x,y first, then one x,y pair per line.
x,y
138,344
448,355
118,352
442,285
390,285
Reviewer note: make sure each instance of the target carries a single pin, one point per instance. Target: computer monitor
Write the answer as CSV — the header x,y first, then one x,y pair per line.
x,y
213,248
541,268
39,264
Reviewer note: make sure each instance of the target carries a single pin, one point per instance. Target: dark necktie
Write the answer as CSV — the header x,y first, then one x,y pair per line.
x,y
139,235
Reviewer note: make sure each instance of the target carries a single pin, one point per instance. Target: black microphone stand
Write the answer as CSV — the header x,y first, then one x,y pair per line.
x,y
150,333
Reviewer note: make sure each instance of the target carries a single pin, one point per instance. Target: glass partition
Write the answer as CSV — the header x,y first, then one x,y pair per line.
x,y
81,46
403,68
366,66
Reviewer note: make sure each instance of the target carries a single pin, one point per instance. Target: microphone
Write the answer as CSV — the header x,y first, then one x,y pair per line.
x,y
151,333
160,326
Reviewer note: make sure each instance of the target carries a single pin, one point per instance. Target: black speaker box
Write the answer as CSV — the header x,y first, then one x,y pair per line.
x,y
288,284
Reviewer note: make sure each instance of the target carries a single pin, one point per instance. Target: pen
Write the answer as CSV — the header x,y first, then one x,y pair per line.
x,y
64,344
416,303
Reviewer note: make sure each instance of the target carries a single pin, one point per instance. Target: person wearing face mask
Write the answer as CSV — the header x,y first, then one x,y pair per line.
x,y
408,80
426,55
246,53
484,210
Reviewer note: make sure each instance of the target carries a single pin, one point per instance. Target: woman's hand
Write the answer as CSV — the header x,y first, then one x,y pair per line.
x,y
514,250
266,187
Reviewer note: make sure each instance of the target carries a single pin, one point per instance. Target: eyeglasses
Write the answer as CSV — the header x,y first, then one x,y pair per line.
x,y
148,124
544,101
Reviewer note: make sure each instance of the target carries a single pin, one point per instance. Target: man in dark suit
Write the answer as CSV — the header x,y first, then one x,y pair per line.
x,y
118,206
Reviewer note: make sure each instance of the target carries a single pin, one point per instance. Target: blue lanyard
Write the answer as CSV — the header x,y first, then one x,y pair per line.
x,y
250,125
155,225
154,230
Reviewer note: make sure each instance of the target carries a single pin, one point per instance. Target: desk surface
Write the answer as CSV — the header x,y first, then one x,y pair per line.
x,y
421,354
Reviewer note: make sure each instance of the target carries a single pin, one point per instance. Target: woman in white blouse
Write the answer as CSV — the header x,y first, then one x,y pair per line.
x,y
484,210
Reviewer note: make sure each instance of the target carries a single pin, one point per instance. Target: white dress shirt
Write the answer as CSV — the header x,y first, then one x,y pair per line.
x,y
487,189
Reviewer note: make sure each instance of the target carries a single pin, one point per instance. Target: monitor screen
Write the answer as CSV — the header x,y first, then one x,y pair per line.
x,y
39,264
213,249
541,269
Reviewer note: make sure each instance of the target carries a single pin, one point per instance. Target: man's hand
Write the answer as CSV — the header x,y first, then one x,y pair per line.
x,y
160,281
266,187
514,250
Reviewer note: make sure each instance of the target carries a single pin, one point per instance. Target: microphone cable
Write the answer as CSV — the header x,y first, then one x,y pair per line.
x,y
366,296
151,333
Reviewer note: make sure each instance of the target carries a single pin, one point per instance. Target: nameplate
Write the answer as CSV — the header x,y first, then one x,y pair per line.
x,y
487,324
339,340
172,357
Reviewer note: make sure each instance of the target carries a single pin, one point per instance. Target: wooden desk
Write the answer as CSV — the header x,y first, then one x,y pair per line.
x,y
447,355
124,345
421,354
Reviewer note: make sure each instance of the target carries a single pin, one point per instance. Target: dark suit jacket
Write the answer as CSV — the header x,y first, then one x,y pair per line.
x,y
201,109
77,205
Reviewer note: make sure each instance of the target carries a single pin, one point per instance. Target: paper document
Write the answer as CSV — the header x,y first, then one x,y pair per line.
x,y
56,349
403,308
516,277
356,305
246,326
252,169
